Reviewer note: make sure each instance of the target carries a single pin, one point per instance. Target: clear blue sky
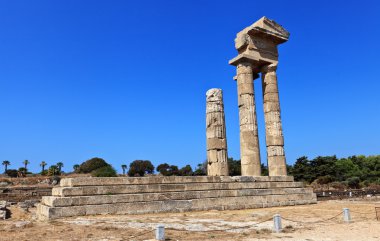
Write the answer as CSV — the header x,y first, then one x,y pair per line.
x,y
126,80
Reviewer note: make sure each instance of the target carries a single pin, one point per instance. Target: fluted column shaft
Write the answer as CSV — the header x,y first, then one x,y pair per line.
x,y
249,141
273,125
217,158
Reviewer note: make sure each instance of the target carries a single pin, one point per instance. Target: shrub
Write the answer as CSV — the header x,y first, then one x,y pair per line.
x,y
338,185
365,183
44,173
140,168
106,171
324,180
353,182
53,170
11,172
91,165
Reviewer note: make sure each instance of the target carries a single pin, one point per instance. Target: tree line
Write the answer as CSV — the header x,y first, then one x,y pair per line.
x,y
353,171
53,170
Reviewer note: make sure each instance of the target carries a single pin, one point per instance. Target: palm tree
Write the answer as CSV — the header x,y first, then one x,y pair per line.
x,y
76,166
6,164
59,166
43,164
26,162
124,167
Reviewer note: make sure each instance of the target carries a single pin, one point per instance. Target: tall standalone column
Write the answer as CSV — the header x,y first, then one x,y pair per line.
x,y
249,141
273,126
216,134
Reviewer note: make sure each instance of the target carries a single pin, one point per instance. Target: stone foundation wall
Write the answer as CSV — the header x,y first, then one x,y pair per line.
x,y
20,194
90,196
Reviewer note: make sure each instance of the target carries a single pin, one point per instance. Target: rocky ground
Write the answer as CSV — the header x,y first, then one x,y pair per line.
x,y
253,224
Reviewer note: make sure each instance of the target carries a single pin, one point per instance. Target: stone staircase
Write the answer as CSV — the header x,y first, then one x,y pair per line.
x,y
137,195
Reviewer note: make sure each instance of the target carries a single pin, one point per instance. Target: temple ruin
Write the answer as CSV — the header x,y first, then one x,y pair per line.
x,y
257,54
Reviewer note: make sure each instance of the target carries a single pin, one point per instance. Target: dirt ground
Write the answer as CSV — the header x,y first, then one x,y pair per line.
x,y
308,223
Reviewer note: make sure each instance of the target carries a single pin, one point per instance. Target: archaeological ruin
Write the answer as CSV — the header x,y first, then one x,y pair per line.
x,y
257,54
216,134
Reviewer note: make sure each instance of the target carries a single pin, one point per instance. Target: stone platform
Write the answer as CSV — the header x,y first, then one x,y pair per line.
x,y
138,195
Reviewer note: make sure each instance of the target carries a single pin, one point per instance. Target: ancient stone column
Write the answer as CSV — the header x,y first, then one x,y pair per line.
x,y
249,141
273,126
216,134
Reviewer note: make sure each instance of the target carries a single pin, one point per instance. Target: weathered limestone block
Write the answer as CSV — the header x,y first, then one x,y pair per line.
x,y
173,187
216,134
274,136
249,141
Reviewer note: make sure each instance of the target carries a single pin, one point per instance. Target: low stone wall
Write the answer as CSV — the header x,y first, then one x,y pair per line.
x,y
128,195
20,194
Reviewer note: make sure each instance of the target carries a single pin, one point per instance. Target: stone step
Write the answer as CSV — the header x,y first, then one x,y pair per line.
x,y
222,203
174,187
111,181
55,201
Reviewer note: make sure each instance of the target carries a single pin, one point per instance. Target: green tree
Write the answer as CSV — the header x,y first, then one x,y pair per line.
x,y
353,182
140,168
12,173
42,165
106,171
370,168
264,170
6,164
173,170
346,168
201,169
124,167
91,165
302,170
26,163
163,169
53,170
186,171
324,166
347,171
76,167
23,170
234,167
59,166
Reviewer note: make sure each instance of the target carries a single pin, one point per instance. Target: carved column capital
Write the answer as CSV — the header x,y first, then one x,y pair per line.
x,y
246,68
269,68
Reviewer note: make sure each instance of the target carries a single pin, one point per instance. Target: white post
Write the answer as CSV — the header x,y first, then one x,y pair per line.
x,y
346,215
277,223
160,233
